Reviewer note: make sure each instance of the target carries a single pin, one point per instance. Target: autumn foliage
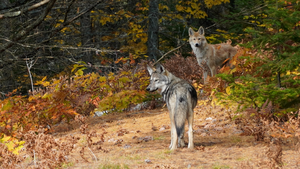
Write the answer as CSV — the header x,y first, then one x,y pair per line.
x,y
62,98
260,84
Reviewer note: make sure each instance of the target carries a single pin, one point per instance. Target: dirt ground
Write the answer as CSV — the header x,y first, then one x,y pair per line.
x,y
141,139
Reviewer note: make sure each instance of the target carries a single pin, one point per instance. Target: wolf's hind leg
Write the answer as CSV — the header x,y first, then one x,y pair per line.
x,y
181,141
174,136
190,132
173,144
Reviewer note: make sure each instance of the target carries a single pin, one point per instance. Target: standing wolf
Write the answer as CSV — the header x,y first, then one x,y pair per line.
x,y
209,55
181,99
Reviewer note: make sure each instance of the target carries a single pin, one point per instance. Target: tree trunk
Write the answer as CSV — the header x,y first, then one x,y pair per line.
x,y
152,43
86,35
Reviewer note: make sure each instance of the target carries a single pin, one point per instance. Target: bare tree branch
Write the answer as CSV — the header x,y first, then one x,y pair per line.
x,y
26,30
18,13
169,53
61,47
64,24
90,65
17,6
68,10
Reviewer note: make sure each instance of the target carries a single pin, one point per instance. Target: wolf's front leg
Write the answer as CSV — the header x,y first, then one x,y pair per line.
x,y
205,72
213,71
171,140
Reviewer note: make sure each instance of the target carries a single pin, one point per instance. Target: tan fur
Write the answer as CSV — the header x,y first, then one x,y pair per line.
x,y
211,55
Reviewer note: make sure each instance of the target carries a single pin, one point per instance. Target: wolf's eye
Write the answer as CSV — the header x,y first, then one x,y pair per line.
x,y
194,38
156,80
199,38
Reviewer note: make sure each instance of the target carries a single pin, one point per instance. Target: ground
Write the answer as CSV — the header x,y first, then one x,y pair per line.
x,y
141,139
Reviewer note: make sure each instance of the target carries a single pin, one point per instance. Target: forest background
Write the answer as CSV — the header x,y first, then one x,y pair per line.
x,y
61,58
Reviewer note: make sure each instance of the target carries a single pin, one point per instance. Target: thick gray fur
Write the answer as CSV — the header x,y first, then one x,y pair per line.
x,y
181,99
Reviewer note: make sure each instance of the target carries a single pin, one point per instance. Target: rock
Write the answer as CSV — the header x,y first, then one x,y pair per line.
x,y
162,128
209,118
236,131
99,113
147,161
126,146
219,128
200,131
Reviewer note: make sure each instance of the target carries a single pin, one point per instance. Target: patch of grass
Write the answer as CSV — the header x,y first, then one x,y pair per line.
x,y
240,159
82,141
218,166
235,139
159,138
163,154
168,151
113,166
67,165
132,157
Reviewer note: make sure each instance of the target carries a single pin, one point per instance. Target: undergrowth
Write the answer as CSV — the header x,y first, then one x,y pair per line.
x,y
30,118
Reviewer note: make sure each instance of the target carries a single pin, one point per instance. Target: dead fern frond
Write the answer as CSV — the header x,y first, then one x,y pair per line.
x,y
274,153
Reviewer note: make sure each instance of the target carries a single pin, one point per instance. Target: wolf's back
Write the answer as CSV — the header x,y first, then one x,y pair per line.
x,y
185,97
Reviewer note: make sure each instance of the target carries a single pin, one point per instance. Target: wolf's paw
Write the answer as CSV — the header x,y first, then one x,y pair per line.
x,y
181,143
191,146
173,147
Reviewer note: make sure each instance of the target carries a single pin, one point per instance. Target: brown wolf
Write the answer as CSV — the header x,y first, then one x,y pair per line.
x,y
181,99
209,55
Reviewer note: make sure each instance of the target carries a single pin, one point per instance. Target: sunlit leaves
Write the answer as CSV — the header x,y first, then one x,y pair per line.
x,y
132,22
12,144
211,3
63,98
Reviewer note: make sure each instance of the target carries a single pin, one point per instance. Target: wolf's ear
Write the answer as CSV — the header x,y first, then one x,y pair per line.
x,y
201,31
191,31
150,70
160,68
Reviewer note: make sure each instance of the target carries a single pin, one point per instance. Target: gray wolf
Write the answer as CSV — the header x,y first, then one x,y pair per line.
x,y
209,56
181,99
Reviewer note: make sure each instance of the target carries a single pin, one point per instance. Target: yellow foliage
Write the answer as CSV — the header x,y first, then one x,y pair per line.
x,y
228,90
12,144
211,3
162,7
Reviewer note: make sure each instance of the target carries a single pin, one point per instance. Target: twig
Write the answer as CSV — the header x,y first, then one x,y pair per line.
x,y
18,13
93,154
34,158
29,66
169,53
28,45
30,27
68,10
210,26
90,65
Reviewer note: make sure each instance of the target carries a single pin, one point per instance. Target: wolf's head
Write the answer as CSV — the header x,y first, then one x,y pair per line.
x,y
197,39
158,78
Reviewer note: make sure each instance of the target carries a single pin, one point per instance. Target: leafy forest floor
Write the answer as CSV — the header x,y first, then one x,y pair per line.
x,y
140,139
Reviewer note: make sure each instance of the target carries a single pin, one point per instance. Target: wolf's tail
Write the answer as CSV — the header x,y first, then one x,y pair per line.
x,y
181,109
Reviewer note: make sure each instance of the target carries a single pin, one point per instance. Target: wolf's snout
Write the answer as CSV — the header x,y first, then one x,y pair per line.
x,y
148,89
197,45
